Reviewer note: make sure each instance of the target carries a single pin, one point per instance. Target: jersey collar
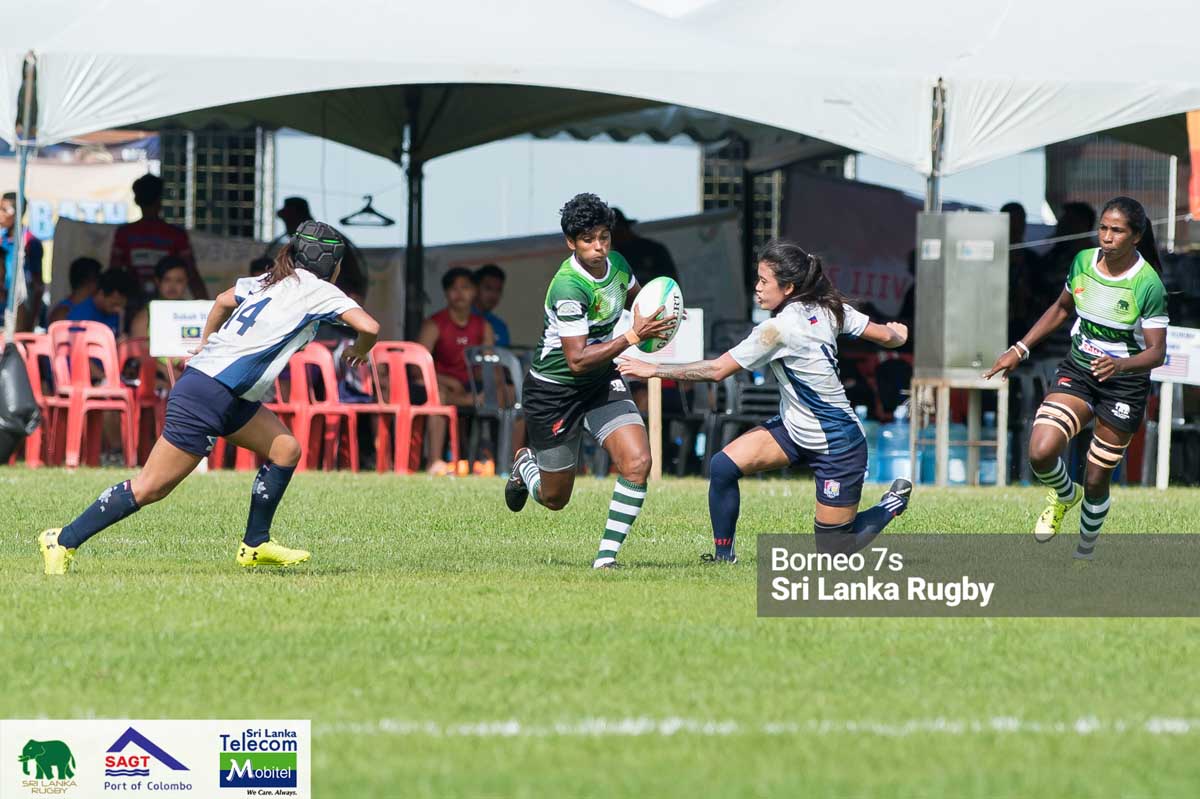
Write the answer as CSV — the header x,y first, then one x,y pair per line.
x,y
1133,270
583,270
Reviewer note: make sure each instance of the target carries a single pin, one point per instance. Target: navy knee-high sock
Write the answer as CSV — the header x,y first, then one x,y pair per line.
x,y
854,536
269,484
109,508
724,501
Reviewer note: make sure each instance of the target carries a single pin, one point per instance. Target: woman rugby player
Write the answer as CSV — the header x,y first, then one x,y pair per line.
x,y
815,425
1120,334
251,332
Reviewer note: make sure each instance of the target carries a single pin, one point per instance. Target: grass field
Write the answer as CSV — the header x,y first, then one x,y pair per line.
x,y
444,647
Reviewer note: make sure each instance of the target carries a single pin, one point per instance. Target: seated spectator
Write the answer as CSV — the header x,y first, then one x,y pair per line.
x,y
108,303
489,289
83,276
259,266
446,335
139,246
170,283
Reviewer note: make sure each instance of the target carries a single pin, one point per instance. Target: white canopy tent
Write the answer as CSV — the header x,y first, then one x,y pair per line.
x,y
424,78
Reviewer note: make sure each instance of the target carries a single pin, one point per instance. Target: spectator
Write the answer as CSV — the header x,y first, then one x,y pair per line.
x,y
108,303
489,289
259,266
293,213
83,276
1024,270
33,262
139,246
649,258
170,283
446,335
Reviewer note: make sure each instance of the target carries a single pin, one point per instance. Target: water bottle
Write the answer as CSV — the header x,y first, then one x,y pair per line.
x,y
987,455
893,448
871,432
956,467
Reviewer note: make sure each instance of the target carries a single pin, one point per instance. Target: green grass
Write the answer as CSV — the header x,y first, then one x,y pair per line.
x,y
428,607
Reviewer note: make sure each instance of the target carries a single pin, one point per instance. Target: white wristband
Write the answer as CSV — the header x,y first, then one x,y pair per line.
x,y
1022,350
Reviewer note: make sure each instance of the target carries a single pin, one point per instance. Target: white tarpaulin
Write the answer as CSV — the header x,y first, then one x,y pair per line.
x,y
1019,74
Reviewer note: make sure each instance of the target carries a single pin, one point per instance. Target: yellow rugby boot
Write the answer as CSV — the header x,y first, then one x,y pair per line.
x,y
269,553
55,558
1050,522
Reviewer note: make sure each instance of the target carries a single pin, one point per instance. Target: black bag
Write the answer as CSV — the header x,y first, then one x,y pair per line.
x,y
19,414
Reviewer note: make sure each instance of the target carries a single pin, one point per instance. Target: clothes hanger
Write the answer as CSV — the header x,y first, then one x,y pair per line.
x,y
367,216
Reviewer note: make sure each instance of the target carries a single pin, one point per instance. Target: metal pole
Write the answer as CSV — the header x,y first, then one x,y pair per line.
x,y
1166,397
414,253
933,185
26,135
1172,198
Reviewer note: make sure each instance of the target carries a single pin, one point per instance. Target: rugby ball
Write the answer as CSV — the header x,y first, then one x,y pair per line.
x,y
661,291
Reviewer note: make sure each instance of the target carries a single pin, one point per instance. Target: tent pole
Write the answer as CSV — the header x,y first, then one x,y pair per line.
x,y
414,248
25,134
933,185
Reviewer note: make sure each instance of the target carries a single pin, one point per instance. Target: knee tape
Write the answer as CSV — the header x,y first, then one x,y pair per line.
x,y
1105,454
1059,417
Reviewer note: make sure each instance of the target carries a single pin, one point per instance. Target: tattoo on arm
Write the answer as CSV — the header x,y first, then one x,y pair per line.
x,y
697,371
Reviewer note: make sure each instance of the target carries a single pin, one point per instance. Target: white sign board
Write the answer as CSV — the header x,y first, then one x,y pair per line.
x,y
1183,357
176,326
687,346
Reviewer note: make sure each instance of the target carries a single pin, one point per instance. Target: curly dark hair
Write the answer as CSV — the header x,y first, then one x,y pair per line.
x,y
584,212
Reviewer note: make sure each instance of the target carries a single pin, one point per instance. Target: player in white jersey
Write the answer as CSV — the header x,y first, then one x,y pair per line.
x,y
816,425
251,332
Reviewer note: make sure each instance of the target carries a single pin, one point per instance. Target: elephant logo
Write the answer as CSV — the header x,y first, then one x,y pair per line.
x,y
48,755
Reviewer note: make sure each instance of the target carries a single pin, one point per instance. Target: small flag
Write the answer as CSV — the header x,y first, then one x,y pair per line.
x,y
1175,366
812,320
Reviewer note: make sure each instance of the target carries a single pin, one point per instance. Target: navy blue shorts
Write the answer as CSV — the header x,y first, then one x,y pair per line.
x,y
839,476
200,410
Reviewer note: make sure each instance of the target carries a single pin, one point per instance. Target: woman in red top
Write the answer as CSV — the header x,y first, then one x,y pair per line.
x,y
447,334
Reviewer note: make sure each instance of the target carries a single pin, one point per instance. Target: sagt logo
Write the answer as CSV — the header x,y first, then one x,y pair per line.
x,y
557,427
1121,410
48,758
1078,291
618,385
1064,381
119,763
831,488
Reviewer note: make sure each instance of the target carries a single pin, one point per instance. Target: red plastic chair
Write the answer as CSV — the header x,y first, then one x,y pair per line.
x,y
74,347
396,357
146,392
38,443
319,409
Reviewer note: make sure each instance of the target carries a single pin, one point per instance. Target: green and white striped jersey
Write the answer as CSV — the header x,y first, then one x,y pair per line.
x,y
1113,312
578,304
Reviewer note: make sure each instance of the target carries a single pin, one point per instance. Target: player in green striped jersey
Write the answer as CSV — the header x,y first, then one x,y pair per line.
x,y
1120,334
573,385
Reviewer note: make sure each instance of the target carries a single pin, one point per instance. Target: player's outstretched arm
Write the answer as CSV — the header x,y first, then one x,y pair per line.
x,y
712,371
223,308
1051,320
889,336
368,333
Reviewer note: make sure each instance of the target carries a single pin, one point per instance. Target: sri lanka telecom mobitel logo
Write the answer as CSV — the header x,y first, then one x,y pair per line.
x,y
259,758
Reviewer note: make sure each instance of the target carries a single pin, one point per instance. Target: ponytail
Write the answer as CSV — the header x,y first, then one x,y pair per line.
x,y
283,267
805,273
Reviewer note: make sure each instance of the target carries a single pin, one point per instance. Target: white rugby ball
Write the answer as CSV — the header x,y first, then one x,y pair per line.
x,y
661,291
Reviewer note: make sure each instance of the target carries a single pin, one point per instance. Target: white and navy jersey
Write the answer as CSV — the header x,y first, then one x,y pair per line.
x,y
800,344
268,326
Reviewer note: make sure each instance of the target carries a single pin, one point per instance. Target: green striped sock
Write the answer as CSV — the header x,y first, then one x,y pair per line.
x,y
1091,518
623,511
531,475
1058,479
